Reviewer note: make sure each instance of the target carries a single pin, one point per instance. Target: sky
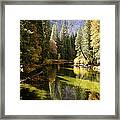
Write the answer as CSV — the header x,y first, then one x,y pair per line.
x,y
73,25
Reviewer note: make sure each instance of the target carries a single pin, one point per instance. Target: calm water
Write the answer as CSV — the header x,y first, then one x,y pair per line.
x,y
62,82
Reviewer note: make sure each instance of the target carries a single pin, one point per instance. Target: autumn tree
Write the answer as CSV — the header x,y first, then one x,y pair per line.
x,y
95,40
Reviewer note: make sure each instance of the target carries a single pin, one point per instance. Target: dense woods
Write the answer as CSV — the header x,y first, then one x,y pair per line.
x,y
40,43
87,43
48,42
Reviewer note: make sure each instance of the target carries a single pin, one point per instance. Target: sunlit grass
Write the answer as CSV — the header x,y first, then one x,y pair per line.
x,y
85,84
81,70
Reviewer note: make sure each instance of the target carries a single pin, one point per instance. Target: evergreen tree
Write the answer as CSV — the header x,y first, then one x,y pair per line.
x,y
63,38
85,42
73,52
30,47
53,39
78,42
46,34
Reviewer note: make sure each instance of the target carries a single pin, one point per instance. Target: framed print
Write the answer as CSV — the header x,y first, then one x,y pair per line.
x,y
59,59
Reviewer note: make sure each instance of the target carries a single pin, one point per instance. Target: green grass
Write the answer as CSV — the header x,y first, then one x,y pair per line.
x,y
39,93
85,84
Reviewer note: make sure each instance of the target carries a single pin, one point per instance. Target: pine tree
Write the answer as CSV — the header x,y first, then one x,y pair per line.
x,y
78,43
30,47
63,38
53,39
46,34
85,42
71,49
80,56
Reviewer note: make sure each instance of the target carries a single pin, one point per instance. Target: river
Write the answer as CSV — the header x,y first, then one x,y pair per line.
x,y
62,82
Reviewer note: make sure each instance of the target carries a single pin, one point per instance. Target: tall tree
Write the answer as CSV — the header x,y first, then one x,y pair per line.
x,y
73,52
85,43
78,41
30,47
53,39
64,40
95,40
46,34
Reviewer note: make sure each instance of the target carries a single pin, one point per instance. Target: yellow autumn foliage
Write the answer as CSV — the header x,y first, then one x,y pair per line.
x,y
95,34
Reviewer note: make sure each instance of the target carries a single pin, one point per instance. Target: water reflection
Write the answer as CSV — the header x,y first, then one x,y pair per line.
x,y
54,83
62,82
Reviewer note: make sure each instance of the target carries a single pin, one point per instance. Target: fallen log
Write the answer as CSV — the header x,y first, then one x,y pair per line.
x,y
29,78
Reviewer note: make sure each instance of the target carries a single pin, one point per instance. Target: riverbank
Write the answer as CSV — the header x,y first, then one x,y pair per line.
x,y
63,83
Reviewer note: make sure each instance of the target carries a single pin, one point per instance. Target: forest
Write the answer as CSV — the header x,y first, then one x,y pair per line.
x,y
57,56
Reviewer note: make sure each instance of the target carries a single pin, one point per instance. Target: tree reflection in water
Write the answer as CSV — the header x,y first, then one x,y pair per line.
x,y
62,82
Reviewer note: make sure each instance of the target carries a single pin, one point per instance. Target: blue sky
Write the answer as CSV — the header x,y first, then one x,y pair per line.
x,y
73,25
